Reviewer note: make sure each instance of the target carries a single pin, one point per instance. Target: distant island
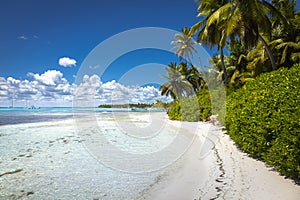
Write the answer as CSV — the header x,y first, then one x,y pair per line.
x,y
157,104
131,105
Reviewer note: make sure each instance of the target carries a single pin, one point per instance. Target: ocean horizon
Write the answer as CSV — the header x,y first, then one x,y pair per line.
x,y
19,115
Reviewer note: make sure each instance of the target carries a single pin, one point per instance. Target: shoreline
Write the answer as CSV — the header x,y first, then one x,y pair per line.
x,y
45,156
225,173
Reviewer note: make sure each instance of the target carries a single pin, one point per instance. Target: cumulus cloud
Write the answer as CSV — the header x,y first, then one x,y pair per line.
x,y
52,89
49,86
67,62
89,87
114,92
50,77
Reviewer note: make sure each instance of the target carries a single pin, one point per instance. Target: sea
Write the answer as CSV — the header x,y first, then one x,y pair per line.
x,y
86,153
20,115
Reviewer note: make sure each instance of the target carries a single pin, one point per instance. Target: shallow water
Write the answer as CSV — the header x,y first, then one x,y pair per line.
x,y
84,154
24,115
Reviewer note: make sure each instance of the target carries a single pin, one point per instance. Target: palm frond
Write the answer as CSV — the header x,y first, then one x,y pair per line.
x,y
242,56
295,57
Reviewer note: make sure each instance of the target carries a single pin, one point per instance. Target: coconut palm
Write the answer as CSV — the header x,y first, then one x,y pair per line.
x,y
285,43
290,50
210,34
195,78
185,48
249,20
177,86
184,44
252,23
183,69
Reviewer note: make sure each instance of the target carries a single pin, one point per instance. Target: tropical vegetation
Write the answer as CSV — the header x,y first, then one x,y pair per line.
x,y
257,42
263,119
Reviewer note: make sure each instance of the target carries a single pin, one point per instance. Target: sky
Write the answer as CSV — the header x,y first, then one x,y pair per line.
x,y
55,51
43,45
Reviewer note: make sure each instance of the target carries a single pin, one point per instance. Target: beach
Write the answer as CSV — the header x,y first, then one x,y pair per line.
x,y
130,155
226,173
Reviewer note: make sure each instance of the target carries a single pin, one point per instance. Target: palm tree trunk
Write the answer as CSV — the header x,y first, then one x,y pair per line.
x,y
223,66
268,51
198,86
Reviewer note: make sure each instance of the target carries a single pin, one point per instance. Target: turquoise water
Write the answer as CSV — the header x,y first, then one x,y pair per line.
x,y
84,153
25,115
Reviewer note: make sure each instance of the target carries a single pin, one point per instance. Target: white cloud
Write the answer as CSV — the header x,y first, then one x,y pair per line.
x,y
50,86
52,89
89,87
50,77
114,92
67,62
86,93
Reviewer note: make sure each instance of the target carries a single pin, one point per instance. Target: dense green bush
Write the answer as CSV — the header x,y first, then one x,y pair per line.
x,y
190,109
263,119
174,112
197,108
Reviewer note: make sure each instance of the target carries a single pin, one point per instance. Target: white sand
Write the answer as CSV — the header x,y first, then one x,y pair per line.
x,y
224,173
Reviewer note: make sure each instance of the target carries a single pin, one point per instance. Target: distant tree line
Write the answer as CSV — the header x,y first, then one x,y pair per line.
x,y
130,105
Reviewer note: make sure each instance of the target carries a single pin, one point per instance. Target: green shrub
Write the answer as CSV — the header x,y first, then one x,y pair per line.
x,y
192,109
218,97
174,112
205,106
263,119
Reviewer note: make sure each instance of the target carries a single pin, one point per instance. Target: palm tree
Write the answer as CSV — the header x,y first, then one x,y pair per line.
x,y
288,50
209,32
286,37
183,69
184,44
195,78
250,20
177,86
185,47
285,42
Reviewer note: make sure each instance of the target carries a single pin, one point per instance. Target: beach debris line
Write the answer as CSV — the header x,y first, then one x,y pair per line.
x,y
220,179
11,172
21,194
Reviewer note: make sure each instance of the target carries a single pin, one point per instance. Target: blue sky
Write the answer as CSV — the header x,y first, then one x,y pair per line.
x,y
36,34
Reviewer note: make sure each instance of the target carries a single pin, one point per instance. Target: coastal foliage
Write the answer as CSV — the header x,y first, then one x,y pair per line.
x,y
262,43
196,108
263,119
259,37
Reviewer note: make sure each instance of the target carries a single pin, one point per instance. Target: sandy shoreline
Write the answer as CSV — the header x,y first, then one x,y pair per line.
x,y
225,173
49,159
